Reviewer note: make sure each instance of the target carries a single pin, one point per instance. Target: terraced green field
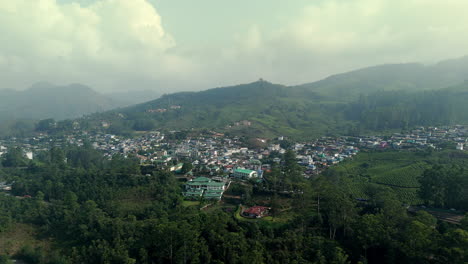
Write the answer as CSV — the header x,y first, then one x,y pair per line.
x,y
398,170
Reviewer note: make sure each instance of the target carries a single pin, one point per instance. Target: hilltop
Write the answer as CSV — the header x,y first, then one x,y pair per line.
x,y
379,98
392,77
386,97
265,107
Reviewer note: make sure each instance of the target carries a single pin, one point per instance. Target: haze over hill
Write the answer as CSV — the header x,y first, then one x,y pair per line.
x,y
45,100
375,98
393,77
334,104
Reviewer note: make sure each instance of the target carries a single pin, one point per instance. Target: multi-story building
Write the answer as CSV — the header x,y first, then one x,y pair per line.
x,y
205,187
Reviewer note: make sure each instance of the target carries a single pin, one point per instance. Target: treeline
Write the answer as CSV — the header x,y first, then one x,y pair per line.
x,y
403,110
77,200
445,186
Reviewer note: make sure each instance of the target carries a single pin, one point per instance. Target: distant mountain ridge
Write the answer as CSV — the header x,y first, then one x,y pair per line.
x,y
44,100
393,77
392,96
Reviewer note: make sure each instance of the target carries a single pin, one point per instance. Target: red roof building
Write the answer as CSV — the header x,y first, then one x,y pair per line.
x,y
256,212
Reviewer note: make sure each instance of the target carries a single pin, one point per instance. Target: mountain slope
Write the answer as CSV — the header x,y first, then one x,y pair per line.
x,y
294,111
372,99
49,101
270,108
127,98
392,77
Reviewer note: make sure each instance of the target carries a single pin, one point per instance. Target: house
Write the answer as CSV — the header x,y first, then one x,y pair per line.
x,y
205,187
256,212
245,174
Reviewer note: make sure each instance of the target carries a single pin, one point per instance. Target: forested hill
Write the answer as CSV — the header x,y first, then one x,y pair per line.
x,y
392,77
400,109
45,100
272,109
367,100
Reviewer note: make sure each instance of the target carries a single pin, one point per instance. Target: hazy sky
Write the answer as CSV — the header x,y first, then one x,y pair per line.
x,y
175,45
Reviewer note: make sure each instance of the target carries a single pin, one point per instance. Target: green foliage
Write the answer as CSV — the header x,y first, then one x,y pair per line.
x,y
105,211
401,171
14,158
30,254
187,167
302,111
271,109
5,260
46,125
401,110
444,186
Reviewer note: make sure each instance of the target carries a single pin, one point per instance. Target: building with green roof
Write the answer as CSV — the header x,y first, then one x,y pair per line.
x,y
193,194
245,174
205,187
213,194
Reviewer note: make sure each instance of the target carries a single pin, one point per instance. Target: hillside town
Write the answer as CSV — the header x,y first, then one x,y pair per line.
x,y
215,158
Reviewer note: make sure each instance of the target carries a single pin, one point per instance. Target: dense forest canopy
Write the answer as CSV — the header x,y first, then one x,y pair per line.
x,y
95,210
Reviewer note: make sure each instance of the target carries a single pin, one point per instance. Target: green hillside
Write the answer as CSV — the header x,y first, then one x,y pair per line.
x,y
298,112
392,77
370,100
270,108
398,170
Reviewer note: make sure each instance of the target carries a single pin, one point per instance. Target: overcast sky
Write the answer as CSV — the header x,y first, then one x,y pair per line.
x,y
174,45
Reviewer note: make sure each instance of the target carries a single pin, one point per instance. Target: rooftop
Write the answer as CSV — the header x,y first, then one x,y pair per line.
x,y
244,171
256,210
201,179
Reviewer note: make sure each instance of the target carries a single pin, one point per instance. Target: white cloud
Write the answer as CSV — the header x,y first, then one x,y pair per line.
x,y
122,43
390,27
42,39
332,36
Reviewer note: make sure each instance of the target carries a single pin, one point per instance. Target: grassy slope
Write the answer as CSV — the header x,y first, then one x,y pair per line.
x,y
397,169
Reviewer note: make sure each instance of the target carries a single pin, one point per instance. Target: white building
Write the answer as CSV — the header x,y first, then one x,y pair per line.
x,y
29,155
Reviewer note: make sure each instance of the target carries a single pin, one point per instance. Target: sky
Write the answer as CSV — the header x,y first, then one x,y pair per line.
x,y
176,45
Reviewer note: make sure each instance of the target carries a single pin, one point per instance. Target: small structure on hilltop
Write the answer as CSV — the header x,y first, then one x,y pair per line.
x,y
256,212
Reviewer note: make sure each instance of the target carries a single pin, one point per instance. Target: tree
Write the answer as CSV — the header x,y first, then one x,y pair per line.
x,y
14,158
46,125
338,209
187,167
454,247
418,240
